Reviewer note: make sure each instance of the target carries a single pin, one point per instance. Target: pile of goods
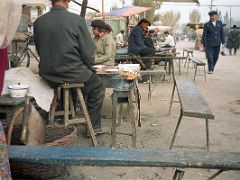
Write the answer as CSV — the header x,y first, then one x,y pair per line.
x,y
131,75
127,71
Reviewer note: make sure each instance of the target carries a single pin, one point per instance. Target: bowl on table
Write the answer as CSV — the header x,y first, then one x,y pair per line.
x,y
18,90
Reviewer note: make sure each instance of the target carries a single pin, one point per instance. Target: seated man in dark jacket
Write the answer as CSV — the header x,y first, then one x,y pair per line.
x,y
66,52
136,39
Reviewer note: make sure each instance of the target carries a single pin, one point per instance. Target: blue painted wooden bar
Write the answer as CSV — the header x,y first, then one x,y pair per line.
x,y
103,156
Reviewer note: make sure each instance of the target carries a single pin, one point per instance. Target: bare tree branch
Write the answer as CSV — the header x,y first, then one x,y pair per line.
x,y
87,6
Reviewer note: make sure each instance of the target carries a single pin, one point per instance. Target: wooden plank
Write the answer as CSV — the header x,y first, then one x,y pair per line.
x,y
191,100
197,61
73,85
76,121
188,50
104,156
150,57
153,72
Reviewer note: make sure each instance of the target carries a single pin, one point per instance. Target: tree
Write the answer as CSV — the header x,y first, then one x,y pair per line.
x,y
170,18
150,15
84,8
195,16
115,6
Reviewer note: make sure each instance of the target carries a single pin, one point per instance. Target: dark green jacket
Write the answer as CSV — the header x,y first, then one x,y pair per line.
x,y
64,45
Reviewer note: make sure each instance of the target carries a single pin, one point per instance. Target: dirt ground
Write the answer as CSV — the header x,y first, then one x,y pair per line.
x,y
222,93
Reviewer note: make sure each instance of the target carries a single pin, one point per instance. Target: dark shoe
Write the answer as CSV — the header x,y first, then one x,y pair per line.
x,y
97,131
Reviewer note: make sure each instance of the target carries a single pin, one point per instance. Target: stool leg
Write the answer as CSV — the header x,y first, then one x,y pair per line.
x,y
114,118
176,130
86,116
207,134
73,113
205,73
150,89
66,106
120,114
53,107
195,73
132,119
187,59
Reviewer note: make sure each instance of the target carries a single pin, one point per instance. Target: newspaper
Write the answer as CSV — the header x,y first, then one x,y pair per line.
x,y
38,87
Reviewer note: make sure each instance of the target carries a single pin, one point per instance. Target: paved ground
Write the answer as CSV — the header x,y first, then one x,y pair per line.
x,y
223,96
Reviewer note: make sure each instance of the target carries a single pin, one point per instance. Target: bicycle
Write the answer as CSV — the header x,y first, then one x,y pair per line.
x,y
24,59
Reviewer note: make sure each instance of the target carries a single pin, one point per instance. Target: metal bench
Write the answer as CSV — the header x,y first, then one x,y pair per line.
x,y
192,105
197,63
104,156
188,52
151,73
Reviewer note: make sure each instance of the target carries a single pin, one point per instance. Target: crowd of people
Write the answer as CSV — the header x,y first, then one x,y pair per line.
x,y
68,51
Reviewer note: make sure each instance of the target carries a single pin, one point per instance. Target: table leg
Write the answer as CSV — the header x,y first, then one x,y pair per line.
x,y
132,119
114,119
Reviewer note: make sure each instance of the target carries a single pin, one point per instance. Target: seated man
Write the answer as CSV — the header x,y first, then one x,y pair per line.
x,y
106,47
66,52
136,39
120,39
169,41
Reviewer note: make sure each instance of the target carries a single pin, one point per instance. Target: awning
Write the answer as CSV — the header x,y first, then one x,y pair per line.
x,y
128,11
36,2
182,1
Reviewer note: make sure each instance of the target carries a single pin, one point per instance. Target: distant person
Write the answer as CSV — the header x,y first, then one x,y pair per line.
x,y
106,47
169,41
212,38
149,38
120,39
233,40
136,39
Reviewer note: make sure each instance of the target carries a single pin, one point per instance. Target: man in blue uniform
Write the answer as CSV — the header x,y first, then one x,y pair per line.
x,y
213,37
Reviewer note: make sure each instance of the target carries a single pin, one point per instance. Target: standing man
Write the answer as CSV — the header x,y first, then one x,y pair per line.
x,y
66,52
233,40
120,39
106,47
213,37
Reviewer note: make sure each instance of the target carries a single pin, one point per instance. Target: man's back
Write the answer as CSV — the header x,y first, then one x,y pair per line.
x,y
64,45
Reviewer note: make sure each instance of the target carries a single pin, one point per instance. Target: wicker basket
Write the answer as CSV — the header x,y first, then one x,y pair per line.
x,y
54,136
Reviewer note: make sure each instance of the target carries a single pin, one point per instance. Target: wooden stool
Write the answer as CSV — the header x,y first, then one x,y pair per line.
x,y
120,98
69,108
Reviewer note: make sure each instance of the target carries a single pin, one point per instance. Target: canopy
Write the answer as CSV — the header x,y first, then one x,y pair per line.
x,y
41,3
160,28
128,11
35,1
182,1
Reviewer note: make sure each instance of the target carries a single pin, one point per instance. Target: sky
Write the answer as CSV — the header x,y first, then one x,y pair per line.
x,y
184,9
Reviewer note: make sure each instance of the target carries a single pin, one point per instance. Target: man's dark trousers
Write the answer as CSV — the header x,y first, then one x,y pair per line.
x,y
93,93
212,54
